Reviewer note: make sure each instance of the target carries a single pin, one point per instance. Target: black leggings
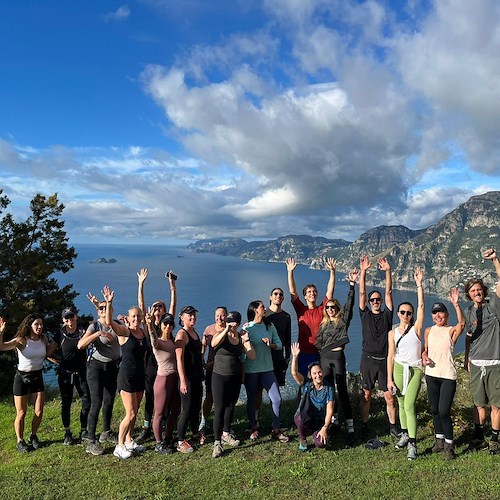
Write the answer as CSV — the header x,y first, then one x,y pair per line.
x,y
68,381
440,392
225,391
191,407
333,365
101,378
149,394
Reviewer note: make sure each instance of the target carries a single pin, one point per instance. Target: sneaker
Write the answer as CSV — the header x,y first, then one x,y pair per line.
x,y
168,444
184,447
477,445
412,451
393,431
438,445
144,436
68,438
230,440
200,437
350,439
94,448
494,447
84,436
217,450
278,435
135,448
303,446
108,437
34,442
449,452
403,441
163,449
254,435
121,452
22,447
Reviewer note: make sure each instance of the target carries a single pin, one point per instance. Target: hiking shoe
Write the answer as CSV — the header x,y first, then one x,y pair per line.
x,y
184,447
279,436
108,437
121,452
68,438
403,441
438,445
217,450
412,451
230,440
135,448
449,451
84,435
34,442
254,435
22,447
303,446
494,447
94,448
144,436
163,449
477,445
350,439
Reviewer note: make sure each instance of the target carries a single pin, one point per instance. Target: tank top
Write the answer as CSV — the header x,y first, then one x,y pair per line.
x,y
133,351
409,348
440,352
31,358
165,357
227,359
193,367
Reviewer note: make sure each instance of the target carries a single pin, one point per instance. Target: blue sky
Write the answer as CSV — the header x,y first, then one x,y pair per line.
x,y
162,121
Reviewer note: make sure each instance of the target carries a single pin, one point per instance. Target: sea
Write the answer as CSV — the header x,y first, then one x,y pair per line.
x,y
205,281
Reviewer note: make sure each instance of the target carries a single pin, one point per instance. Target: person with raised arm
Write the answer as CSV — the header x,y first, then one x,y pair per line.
x,y
440,371
330,342
167,401
483,355
404,366
32,347
310,314
103,356
159,309
131,375
376,322
229,346
316,406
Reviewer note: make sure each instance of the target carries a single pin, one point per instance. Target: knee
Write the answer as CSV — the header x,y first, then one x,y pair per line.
x,y
21,414
390,400
366,396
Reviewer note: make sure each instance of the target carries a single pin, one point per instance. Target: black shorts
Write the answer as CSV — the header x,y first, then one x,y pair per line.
x,y
373,370
280,366
130,383
28,383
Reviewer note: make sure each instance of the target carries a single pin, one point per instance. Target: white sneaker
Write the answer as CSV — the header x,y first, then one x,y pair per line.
x,y
217,450
412,451
403,441
121,452
135,448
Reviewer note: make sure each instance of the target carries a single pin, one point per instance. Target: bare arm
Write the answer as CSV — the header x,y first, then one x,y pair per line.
x,y
180,344
490,254
141,278
425,352
93,299
385,266
10,345
217,338
151,329
364,265
419,320
330,288
173,294
120,330
457,330
390,362
248,347
290,267
297,376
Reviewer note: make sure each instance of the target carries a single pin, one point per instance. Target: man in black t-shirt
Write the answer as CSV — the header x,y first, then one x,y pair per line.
x,y
376,323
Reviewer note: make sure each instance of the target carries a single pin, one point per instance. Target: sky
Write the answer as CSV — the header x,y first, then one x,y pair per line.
x,y
169,121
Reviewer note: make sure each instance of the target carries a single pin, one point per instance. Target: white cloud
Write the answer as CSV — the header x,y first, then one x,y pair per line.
x,y
120,14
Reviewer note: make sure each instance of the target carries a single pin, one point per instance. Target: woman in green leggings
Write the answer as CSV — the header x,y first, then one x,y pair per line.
x,y
404,366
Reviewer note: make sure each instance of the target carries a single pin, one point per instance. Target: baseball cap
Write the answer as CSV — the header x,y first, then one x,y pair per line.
x,y
67,311
439,307
233,317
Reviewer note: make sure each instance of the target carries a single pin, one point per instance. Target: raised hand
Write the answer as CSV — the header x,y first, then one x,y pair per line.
x,y
489,254
383,264
330,264
93,299
418,275
364,263
353,275
295,349
454,296
290,264
142,275
108,294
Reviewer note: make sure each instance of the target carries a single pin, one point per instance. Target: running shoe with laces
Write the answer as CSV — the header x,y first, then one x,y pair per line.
x,y
438,445
84,435
94,448
144,436
68,438
108,437
254,435
135,448
230,440
121,452
412,451
34,442
218,450
393,431
184,447
403,441
163,449
22,447
449,451
200,438
279,436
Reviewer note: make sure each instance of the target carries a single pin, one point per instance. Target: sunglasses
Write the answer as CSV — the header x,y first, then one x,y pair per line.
x,y
376,299
406,313
102,308
331,307
278,294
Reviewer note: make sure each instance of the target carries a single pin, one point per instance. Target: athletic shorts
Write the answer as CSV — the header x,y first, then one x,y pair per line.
x,y
304,361
130,383
28,383
280,366
373,370
486,389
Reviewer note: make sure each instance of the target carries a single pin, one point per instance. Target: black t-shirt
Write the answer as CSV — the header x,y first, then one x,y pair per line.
x,y
283,324
375,329
72,358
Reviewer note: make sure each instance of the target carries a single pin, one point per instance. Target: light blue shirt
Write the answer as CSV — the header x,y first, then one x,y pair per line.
x,y
263,361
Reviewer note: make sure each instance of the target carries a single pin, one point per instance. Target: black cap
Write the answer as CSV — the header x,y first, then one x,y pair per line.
x,y
233,317
439,307
67,312
188,310
167,319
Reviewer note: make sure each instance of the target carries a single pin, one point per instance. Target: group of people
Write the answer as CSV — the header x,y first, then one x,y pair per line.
x,y
140,356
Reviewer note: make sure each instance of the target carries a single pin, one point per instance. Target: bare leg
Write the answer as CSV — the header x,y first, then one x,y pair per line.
x,y
364,405
390,406
21,403
130,416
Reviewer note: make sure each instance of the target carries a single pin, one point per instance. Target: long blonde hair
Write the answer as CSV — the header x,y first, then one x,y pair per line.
x,y
336,317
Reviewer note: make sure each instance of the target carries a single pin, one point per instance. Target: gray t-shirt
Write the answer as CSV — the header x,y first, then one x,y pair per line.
x,y
103,349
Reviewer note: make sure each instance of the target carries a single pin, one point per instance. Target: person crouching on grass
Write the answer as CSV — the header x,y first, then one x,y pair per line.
x,y
316,406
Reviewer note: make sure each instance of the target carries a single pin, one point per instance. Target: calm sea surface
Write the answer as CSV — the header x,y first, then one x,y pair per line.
x,y
205,281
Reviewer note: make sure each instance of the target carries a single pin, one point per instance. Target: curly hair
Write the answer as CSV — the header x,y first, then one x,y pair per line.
x,y
24,329
471,283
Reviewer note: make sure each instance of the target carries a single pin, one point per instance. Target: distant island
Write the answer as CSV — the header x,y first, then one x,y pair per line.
x,y
102,260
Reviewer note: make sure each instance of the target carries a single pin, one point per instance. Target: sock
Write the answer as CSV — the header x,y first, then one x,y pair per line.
x,y
393,426
448,441
412,440
405,431
439,436
146,424
494,434
479,432
350,425
216,442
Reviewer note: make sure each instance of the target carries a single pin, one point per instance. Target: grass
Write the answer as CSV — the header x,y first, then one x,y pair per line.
x,y
264,470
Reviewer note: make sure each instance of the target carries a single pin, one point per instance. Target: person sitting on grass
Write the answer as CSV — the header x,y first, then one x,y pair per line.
x,y
315,410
